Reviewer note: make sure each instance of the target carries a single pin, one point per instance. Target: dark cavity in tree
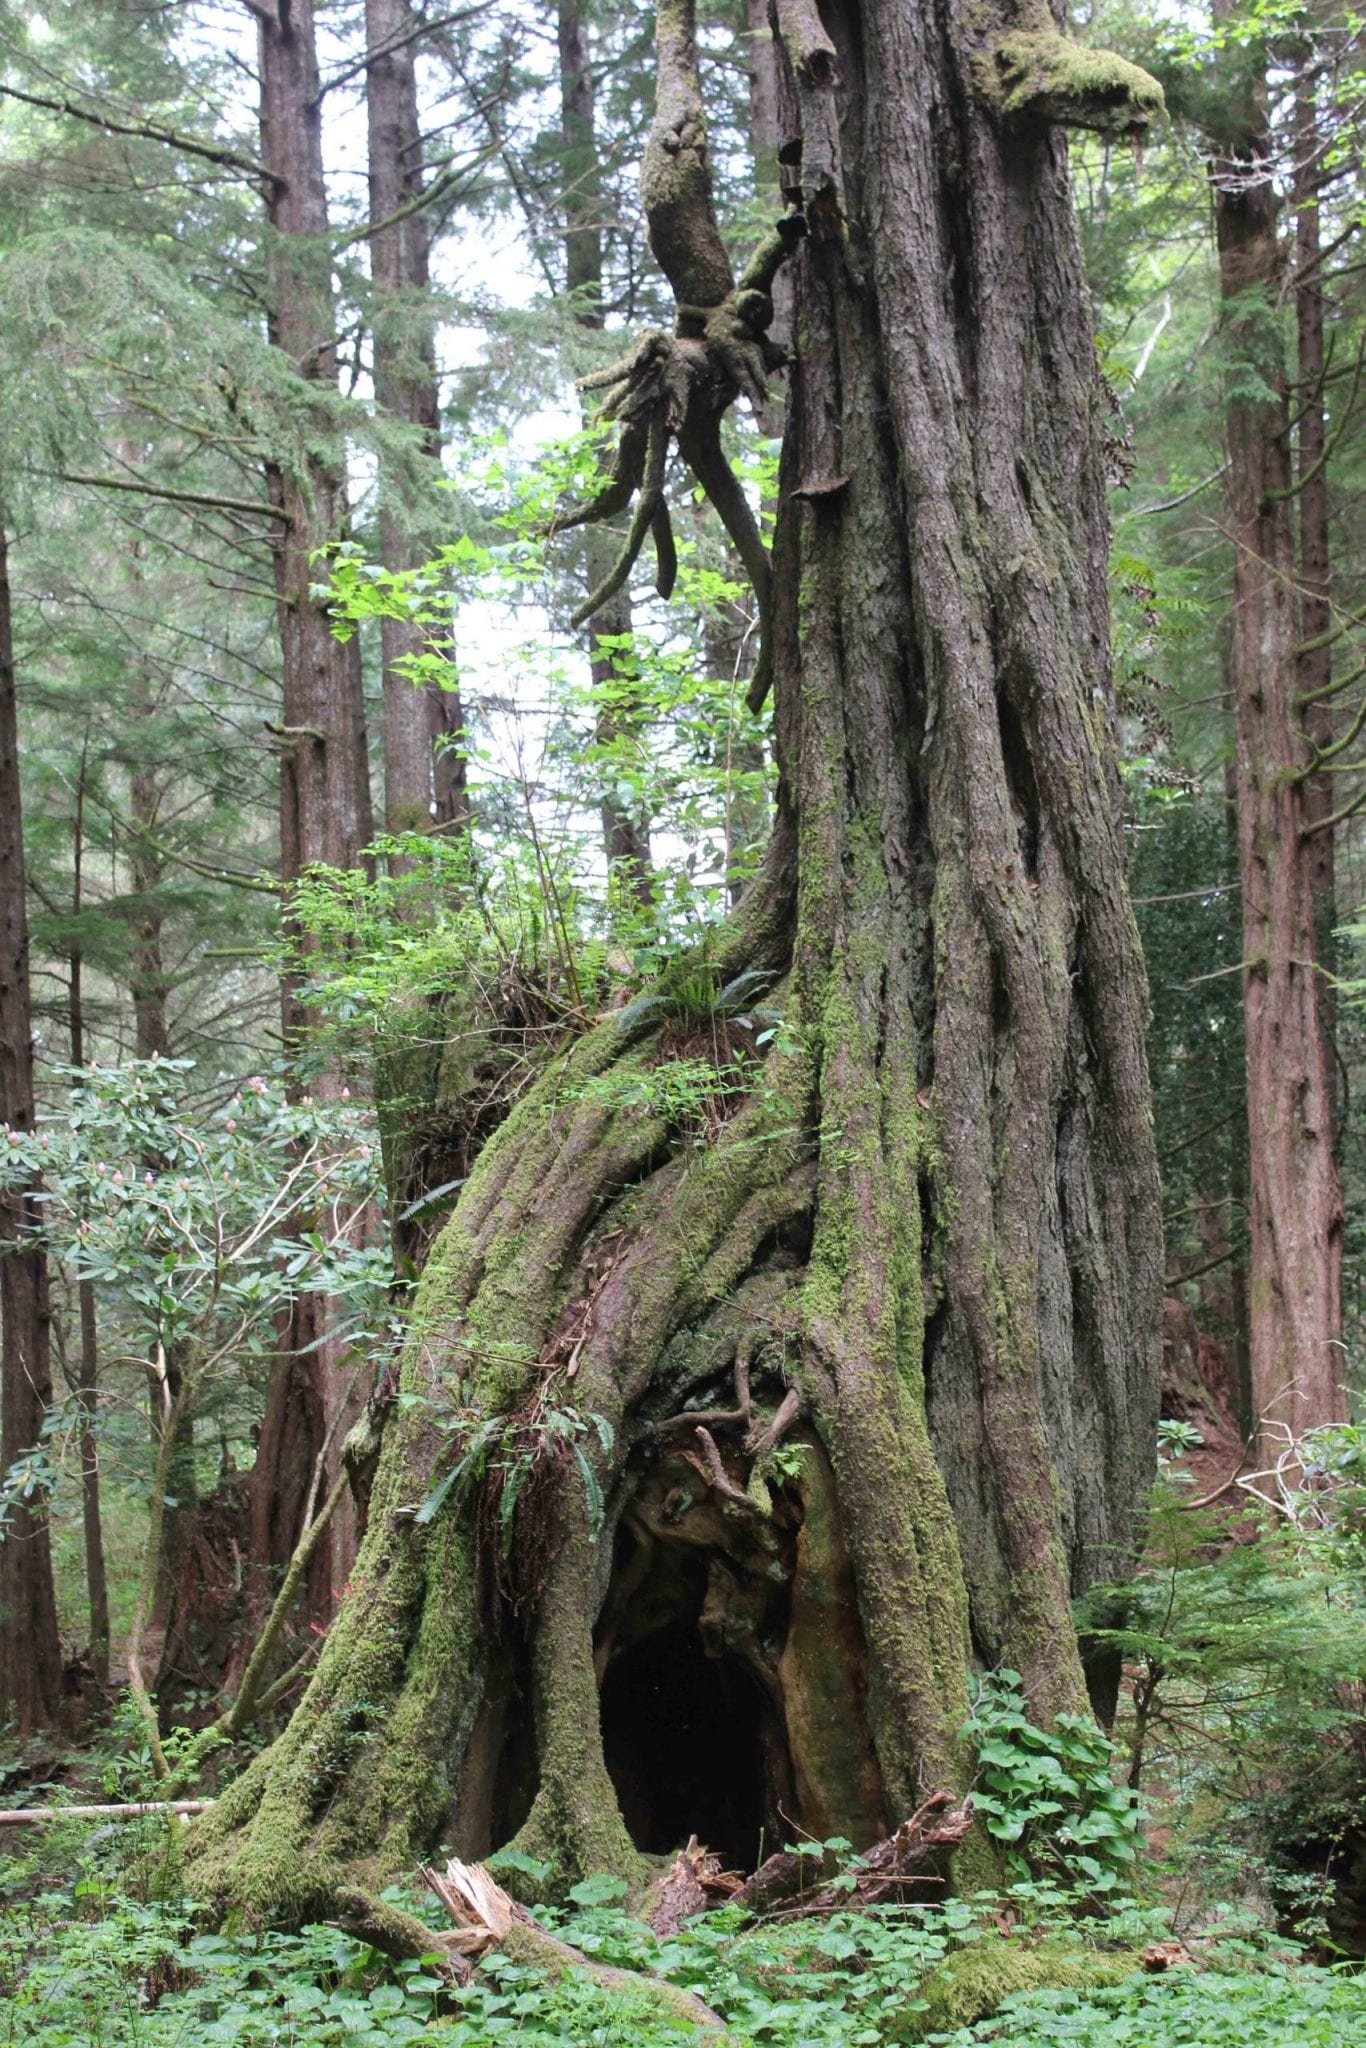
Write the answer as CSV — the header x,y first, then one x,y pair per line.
x,y
683,1733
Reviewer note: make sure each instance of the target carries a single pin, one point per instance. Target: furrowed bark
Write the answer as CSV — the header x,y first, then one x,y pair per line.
x,y
325,812
1295,1198
1314,654
932,1215
424,767
30,1651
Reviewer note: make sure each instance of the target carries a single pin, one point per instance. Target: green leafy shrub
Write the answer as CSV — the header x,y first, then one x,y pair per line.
x,y
1048,1795
1247,1707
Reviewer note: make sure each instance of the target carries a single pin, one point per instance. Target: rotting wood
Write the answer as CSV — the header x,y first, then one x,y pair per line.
x,y
694,1883
880,1875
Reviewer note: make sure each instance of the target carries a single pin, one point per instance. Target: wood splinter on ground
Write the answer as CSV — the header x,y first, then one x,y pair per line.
x,y
480,1909
485,1918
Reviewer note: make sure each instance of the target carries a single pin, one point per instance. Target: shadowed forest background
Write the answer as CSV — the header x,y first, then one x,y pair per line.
x,y
615,627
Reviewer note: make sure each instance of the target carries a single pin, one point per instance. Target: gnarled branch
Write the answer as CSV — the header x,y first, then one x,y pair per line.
x,y
679,386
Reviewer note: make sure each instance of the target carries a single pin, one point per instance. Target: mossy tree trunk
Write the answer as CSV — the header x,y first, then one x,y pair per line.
x,y
926,1237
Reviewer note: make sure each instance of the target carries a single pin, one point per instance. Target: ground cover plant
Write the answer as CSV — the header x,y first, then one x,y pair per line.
x,y
88,1964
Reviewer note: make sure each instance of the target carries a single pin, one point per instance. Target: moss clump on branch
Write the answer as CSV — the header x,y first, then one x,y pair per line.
x,y
1045,74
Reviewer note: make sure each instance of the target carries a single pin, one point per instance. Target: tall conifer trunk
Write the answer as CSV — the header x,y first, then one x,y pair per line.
x,y
30,1652
1294,1194
1314,654
424,769
325,813
88,1369
927,1242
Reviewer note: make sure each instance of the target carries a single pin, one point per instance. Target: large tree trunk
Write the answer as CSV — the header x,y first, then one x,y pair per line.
x,y
30,1652
325,813
931,1228
424,767
1295,1199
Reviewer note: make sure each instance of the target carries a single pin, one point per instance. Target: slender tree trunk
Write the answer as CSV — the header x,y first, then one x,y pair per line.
x,y
149,987
148,984
1243,1404
625,830
927,1242
165,1650
88,1375
1295,1199
1314,654
425,783
30,1651
424,765
325,813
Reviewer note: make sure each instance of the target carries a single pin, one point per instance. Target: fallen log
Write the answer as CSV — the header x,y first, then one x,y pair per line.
x,y
22,1816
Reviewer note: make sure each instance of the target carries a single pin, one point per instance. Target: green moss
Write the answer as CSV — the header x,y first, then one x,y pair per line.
x,y
974,1982
863,1306
1043,73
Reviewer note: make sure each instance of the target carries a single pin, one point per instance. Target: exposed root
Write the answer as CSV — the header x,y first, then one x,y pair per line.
x,y
719,1478
760,1441
679,386
396,1933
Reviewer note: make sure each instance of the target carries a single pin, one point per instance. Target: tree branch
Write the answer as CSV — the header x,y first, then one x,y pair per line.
x,y
1339,817
451,185
256,507
144,131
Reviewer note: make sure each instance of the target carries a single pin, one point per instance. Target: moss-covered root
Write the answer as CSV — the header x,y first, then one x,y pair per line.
x,y
974,1982
575,1823
529,1944
359,1783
